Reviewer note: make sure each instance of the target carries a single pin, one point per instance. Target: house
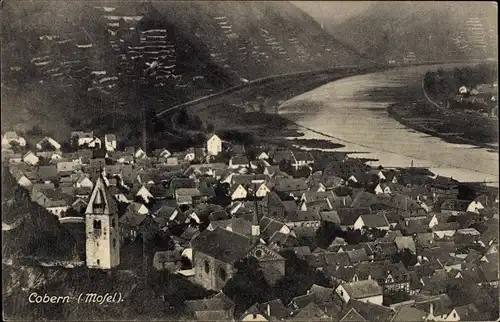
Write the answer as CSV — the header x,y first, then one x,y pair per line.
x,y
237,192
370,221
348,216
144,194
48,144
301,159
217,308
453,206
30,158
65,168
406,313
364,291
10,137
140,154
162,153
295,186
22,180
383,188
444,186
272,310
437,307
262,190
169,260
184,196
83,182
214,144
304,219
47,173
110,142
238,162
54,201
463,313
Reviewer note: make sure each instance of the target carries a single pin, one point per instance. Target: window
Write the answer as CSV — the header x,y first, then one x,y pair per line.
x,y
97,224
258,253
98,262
113,223
454,314
114,243
222,274
207,267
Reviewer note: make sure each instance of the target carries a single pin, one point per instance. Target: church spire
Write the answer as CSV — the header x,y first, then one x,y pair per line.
x,y
101,201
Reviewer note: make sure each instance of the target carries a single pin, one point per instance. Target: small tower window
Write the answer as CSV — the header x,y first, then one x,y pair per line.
x,y
114,243
207,267
97,224
113,223
98,262
222,274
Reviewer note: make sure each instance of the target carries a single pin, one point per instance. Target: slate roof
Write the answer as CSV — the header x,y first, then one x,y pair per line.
x,y
371,311
47,173
312,312
352,315
223,245
375,220
278,310
348,216
362,289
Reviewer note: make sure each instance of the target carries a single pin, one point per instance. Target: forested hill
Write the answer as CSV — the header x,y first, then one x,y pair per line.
x,y
65,64
430,30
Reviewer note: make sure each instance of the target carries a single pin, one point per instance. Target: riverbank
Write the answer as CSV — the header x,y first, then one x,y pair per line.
x,y
423,117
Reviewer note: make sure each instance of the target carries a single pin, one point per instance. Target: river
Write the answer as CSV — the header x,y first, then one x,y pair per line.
x,y
346,111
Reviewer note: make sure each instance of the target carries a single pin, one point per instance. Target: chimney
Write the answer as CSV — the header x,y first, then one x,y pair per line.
x,y
431,309
268,310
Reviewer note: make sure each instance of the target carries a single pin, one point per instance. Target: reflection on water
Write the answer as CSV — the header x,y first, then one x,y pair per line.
x,y
347,112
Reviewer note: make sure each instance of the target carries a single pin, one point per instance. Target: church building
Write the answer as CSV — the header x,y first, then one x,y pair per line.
x,y
216,252
101,228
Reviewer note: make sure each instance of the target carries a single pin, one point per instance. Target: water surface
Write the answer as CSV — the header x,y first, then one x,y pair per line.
x,y
352,111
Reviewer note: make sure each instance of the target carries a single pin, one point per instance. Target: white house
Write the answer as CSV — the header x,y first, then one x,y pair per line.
x,y
262,191
382,188
110,142
10,137
378,221
144,194
84,182
475,206
214,145
238,161
30,158
367,291
140,154
263,156
238,192
48,142
23,181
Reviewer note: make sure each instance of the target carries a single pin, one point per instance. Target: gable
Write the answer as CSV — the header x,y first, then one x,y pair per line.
x,y
263,253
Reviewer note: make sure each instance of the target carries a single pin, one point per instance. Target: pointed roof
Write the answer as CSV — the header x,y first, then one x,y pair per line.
x,y
101,195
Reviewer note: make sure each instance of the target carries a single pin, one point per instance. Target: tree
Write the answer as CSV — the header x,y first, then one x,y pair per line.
x,y
298,279
326,234
248,286
16,147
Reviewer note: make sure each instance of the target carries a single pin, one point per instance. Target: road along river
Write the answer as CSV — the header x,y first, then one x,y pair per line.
x,y
346,111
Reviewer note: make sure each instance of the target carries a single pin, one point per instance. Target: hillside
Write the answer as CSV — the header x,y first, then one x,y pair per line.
x,y
432,31
37,233
78,65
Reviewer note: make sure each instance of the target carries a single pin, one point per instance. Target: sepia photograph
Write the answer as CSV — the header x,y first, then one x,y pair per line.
x,y
249,160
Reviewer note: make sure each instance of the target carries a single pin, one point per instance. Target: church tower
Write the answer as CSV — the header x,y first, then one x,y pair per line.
x,y
101,228
255,220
